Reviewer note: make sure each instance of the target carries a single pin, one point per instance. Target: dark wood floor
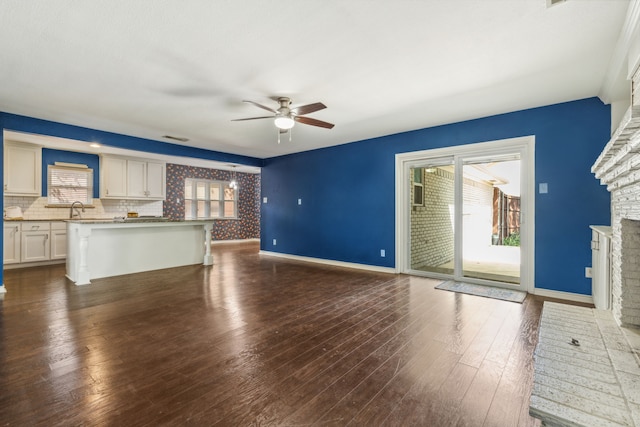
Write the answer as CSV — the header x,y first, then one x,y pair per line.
x,y
260,341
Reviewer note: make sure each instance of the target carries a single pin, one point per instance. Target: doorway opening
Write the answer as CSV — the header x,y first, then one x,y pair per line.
x,y
462,213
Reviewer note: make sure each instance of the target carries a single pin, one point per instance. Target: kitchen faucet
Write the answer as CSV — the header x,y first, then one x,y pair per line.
x,y
71,214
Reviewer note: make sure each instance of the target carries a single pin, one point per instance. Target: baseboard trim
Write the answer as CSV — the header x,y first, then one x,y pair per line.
x,y
33,264
569,296
331,262
225,242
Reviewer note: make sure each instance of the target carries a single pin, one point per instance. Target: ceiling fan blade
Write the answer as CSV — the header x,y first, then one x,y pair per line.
x,y
261,106
252,118
313,122
307,109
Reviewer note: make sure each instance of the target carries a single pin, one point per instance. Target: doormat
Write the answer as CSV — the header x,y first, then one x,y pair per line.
x,y
483,291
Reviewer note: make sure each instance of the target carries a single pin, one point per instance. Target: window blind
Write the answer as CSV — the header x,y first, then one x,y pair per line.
x,y
69,184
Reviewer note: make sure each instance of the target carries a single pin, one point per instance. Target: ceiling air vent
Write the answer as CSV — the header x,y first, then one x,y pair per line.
x,y
554,2
176,138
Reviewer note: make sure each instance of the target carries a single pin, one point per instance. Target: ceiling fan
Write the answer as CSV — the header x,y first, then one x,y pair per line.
x,y
285,117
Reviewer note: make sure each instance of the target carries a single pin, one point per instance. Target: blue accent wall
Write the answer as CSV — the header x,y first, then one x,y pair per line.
x,y
50,156
348,191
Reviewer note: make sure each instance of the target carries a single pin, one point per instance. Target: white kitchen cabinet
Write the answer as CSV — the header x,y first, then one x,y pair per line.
x,y
22,169
11,242
138,179
34,241
113,177
155,180
58,248
35,244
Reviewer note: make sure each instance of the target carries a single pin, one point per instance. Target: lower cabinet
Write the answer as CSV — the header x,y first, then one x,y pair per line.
x,y
58,240
35,244
11,242
30,241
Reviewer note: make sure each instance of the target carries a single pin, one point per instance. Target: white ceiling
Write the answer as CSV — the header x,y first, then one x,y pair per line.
x,y
149,68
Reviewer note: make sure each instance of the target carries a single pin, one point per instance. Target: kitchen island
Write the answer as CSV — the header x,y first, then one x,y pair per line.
x,y
104,248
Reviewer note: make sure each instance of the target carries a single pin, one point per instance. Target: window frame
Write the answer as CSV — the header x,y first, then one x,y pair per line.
x,y
193,213
417,187
55,201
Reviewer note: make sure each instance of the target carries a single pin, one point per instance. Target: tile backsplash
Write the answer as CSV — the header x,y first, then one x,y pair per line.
x,y
35,208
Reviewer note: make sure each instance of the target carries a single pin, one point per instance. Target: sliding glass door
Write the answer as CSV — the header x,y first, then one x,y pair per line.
x,y
491,218
464,214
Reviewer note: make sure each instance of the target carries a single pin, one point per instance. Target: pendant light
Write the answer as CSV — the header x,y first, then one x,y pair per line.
x,y
234,183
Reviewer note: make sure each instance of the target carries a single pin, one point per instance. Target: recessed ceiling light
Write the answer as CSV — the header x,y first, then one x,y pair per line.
x,y
554,2
176,138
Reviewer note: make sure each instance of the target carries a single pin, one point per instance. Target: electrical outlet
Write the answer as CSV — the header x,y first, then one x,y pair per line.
x,y
264,200
383,253
588,272
299,201
274,242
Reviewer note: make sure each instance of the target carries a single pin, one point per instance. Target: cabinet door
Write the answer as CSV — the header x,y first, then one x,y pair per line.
x,y
35,246
11,243
155,180
58,240
114,177
22,169
58,244
136,179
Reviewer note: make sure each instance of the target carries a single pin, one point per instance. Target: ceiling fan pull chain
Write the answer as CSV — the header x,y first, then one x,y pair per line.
x,y
290,132
278,136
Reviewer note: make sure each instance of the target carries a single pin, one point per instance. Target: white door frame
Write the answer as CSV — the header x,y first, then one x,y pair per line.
x,y
527,146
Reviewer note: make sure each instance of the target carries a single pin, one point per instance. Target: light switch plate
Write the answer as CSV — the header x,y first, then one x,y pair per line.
x,y
543,188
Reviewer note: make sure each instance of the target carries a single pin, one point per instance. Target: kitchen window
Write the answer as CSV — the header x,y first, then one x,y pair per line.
x,y
205,199
68,183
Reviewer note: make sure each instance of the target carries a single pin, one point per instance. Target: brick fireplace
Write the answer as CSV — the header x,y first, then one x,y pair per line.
x,y
618,167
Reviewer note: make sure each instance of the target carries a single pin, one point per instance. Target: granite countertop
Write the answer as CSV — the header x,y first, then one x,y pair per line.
x,y
117,220
87,220
34,220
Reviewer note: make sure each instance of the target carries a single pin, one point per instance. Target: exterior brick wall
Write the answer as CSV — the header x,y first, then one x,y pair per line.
x,y
432,225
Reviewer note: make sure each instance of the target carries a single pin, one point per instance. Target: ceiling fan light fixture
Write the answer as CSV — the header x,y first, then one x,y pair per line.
x,y
284,122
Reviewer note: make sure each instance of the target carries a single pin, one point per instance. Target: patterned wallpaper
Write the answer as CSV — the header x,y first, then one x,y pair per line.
x,y
248,224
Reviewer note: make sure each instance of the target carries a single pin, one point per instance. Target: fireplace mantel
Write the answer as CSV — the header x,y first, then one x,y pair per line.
x,y
619,163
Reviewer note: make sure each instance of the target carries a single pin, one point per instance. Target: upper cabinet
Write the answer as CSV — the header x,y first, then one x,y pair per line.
x,y
132,178
22,169
113,177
